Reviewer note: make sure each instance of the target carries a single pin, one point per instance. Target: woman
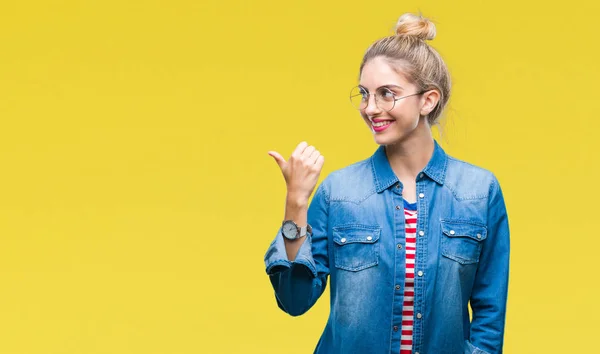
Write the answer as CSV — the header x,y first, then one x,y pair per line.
x,y
408,236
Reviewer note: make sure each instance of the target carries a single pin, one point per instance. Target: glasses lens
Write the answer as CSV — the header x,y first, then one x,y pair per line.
x,y
359,98
385,99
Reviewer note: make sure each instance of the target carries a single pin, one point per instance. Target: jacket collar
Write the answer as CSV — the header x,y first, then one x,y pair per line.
x,y
385,176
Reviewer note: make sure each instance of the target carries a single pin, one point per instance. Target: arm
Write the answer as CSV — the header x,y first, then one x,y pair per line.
x,y
300,282
490,290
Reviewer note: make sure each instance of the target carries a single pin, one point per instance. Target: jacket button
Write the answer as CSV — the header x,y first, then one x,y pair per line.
x,y
397,287
421,233
343,240
419,315
369,238
397,207
452,232
395,328
421,195
478,235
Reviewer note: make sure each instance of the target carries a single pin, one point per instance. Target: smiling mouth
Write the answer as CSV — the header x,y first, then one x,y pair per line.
x,y
382,123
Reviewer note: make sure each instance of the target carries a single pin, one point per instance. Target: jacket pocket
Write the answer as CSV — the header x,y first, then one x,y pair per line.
x,y
356,247
462,240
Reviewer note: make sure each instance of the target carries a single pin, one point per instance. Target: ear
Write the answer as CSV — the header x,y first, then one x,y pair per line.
x,y
430,100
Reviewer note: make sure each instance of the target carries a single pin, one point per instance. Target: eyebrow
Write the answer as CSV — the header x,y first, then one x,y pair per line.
x,y
386,86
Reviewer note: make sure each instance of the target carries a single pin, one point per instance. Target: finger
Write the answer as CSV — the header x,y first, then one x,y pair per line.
x,y
308,151
313,157
320,162
278,158
300,148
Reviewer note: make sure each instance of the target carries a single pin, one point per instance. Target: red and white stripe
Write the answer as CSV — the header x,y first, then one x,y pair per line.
x,y
406,339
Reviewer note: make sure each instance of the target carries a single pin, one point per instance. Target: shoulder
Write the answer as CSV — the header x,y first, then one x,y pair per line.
x,y
352,183
356,170
467,180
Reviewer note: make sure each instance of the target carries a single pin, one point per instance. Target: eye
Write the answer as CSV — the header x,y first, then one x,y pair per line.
x,y
364,93
386,94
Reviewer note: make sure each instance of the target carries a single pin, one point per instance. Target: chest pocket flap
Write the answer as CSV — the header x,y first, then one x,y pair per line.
x,y
356,247
462,240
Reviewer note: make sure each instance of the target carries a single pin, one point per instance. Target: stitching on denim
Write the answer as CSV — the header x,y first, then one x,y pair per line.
x,y
373,171
338,247
441,178
451,187
463,221
459,198
459,259
361,227
359,268
367,195
422,217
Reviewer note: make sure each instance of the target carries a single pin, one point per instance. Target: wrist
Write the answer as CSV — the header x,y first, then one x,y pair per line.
x,y
296,201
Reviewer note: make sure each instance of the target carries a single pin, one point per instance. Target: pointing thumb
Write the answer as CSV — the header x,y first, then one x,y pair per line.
x,y
278,158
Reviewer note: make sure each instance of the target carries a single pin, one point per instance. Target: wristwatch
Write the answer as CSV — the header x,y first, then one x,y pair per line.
x,y
292,231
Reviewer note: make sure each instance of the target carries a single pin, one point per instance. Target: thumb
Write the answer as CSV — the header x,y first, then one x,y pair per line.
x,y
278,158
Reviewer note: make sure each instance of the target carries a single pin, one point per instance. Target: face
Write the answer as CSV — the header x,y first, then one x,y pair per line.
x,y
406,118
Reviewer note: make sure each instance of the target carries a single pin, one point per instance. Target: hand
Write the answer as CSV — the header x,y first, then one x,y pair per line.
x,y
301,172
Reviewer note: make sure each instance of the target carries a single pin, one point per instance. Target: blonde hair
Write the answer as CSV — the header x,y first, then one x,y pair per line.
x,y
408,53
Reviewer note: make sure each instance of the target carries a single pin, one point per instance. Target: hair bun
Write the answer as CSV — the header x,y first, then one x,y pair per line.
x,y
416,26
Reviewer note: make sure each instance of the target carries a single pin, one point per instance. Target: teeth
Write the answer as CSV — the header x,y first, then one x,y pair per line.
x,y
381,124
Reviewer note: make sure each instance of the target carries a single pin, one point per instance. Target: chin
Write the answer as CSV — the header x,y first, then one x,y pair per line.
x,y
388,139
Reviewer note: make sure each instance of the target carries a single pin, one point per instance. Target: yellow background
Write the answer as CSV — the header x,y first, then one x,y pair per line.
x,y
137,198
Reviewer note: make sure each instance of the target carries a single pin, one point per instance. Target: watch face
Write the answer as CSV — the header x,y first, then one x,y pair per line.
x,y
289,230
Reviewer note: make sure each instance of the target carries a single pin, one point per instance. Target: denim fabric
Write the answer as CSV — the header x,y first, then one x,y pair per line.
x,y
358,239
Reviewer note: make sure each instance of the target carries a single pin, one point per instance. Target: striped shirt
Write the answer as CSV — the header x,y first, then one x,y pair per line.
x,y
406,339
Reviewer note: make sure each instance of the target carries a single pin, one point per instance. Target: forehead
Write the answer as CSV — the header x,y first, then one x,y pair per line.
x,y
378,72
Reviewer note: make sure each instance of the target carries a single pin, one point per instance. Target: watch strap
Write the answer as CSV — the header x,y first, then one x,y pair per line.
x,y
305,230
302,231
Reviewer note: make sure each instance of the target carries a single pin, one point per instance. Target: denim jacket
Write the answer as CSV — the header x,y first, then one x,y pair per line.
x,y
358,239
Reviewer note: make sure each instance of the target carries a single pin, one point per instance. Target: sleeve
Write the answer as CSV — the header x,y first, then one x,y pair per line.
x,y
299,284
490,289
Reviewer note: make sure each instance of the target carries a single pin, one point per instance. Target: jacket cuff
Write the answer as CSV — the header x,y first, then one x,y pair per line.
x,y
276,259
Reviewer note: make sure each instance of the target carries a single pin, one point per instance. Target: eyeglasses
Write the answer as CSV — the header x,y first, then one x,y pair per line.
x,y
385,99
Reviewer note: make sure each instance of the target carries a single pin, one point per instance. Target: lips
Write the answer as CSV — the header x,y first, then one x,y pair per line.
x,y
381,125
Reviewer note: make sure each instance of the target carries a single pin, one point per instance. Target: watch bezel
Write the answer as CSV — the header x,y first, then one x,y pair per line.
x,y
296,228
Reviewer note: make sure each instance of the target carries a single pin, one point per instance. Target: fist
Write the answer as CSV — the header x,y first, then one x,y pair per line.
x,y
301,171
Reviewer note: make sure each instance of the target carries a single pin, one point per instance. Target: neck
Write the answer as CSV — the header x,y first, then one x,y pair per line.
x,y
409,156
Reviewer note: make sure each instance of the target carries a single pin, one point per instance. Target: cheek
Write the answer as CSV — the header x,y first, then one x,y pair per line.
x,y
405,112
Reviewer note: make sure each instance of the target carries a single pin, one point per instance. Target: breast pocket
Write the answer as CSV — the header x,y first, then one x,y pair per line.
x,y
462,240
356,247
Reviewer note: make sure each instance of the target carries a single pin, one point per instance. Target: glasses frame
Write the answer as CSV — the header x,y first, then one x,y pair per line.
x,y
377,102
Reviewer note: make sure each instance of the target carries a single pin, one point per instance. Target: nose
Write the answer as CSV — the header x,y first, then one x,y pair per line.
x,y
372,108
